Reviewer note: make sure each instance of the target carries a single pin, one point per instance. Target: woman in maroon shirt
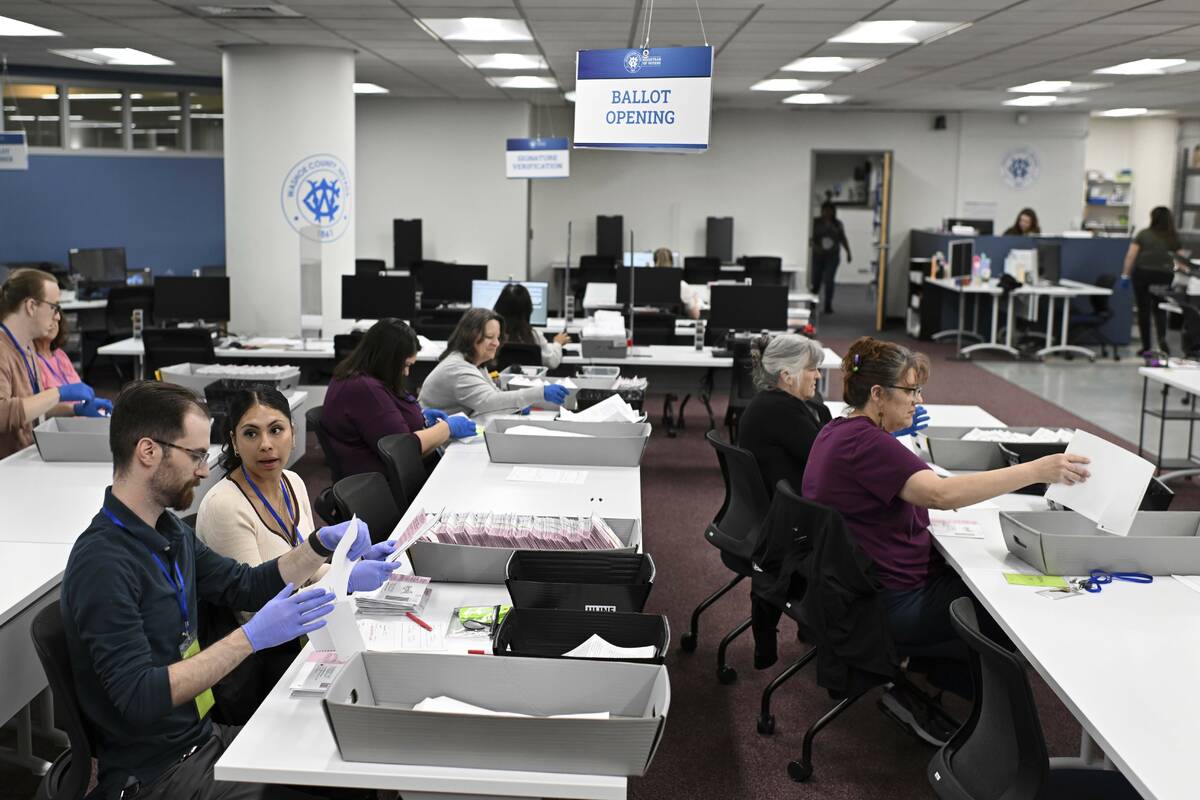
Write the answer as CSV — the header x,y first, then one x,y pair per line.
x,y
883,491
367,399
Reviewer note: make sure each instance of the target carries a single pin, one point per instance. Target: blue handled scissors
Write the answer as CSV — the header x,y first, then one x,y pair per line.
x,y
1099,577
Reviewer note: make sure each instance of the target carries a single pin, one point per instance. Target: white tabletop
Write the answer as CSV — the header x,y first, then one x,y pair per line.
x,y
942,415
31,570
1187,380
1064,288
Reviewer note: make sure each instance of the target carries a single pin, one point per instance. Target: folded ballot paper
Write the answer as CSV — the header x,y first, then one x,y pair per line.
x,y
1111,496
597,647
448,705
525,381
511,530
340,633
398,595
610,409
534,430
1041,435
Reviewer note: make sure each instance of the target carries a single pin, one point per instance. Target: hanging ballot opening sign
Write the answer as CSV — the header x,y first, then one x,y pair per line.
x,y
537,158
14,153
656,99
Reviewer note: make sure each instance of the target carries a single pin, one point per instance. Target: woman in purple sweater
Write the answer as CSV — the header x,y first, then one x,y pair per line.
x,y
367,400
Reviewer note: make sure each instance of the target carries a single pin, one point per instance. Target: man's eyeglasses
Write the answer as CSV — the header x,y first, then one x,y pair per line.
x,y
55,307
198,456
912,390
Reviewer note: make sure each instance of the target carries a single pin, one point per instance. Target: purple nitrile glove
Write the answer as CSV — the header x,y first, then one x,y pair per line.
x,y
75,393
461,427
555,393
333,534
96,407
380,552
287,616
367,576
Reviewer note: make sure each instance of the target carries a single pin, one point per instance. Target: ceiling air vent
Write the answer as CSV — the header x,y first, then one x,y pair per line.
x,y
256,11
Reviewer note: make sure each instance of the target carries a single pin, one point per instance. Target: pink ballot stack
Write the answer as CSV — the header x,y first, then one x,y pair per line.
x,y
511,530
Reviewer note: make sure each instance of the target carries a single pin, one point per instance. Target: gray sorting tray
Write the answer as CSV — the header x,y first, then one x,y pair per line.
x,y
514,370
947,449
284,377
73,439
1067,543
370,710
612,444
604,346
462,563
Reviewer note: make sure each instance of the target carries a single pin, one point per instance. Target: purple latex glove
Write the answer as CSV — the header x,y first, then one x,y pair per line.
x,y
381,551
333,534
287,616
367,576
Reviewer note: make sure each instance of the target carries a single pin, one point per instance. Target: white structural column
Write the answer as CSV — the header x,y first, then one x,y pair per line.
x,y
289,172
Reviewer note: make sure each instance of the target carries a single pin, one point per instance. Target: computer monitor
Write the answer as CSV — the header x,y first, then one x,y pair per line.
x,y
748,307
139,277
718,238
190,299
485,293
98,265
658,286
962,252
450,283
378,296
1049,263
983,227
639,258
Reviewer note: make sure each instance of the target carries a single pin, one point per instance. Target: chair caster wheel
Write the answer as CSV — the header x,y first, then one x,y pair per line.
x,y
726,674
799,771
766,725
687,642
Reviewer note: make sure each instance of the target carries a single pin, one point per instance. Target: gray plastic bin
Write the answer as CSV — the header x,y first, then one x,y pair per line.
x,y
514,370
611,444
459,563
604,347
1067,543
370,710
947,449
284,377
73,439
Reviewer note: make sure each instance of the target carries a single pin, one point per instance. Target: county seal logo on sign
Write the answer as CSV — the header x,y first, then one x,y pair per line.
x,y
1020,167
316,196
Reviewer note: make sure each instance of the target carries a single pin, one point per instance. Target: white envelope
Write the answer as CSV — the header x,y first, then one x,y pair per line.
x,y
341,633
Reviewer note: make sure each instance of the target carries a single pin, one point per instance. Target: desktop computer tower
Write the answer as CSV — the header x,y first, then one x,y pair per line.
x,y
406,243
610,233
718,240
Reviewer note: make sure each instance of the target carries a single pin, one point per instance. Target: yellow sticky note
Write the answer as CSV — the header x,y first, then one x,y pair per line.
x,y
204,700
1040,581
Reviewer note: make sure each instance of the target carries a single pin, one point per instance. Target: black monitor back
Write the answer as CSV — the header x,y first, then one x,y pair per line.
x,y
98,265
406,243
718,239
450,283
378,296
610,231
1049,262
652,286
748,308
962,253
191,299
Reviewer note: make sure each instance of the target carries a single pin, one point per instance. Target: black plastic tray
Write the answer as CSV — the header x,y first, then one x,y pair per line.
x,y
548,633
583,580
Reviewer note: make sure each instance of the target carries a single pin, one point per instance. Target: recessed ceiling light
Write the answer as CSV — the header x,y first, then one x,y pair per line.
x,y
524,82
115,57
788,85
516,61
369,88
897,31
1036,100
816,99
14,27
831,64
1150,66
92,96
569,96
477,29
1054,87
1122,112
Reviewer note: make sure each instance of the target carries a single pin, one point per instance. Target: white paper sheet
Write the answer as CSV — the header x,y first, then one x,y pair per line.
x,y
597,647
400,634
340,633
1190,581
1111,496
956,527
534,430
448,705
543,475
611,409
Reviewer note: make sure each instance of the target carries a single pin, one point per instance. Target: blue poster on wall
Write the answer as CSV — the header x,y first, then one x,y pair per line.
x,y
537,158
655,99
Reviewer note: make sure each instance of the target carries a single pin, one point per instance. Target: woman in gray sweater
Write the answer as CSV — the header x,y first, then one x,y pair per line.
x,y
460,381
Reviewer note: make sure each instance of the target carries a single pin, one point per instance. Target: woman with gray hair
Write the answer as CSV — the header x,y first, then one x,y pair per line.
x,y
782,421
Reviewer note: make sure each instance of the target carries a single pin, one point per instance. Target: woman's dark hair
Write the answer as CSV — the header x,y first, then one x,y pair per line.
x,y
515,307
469,330
1162,224
22,285
874,362
1034,225
381,353
60,339
242,402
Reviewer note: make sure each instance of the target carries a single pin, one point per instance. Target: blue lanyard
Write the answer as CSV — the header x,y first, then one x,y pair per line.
x,y
295,540
49,366
176,580
33,379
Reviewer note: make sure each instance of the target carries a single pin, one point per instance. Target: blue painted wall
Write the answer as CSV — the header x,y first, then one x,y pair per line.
x,y
168,213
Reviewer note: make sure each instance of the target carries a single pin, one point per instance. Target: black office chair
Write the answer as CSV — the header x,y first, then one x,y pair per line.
x,y
1086,327
369,266
71,772
741,386
734,531
1000,752
525,355
168,346
369,496
312,418
405,466
701,269
763,270
344,344
118,317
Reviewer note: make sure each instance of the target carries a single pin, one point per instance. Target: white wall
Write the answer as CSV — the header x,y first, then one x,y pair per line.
x,y
1146,146
442,161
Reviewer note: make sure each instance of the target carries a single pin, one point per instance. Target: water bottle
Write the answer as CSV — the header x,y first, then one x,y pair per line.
x,y
699,340
985,268
137,323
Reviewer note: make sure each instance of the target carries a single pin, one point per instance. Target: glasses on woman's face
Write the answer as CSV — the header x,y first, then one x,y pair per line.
x,y
913,391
